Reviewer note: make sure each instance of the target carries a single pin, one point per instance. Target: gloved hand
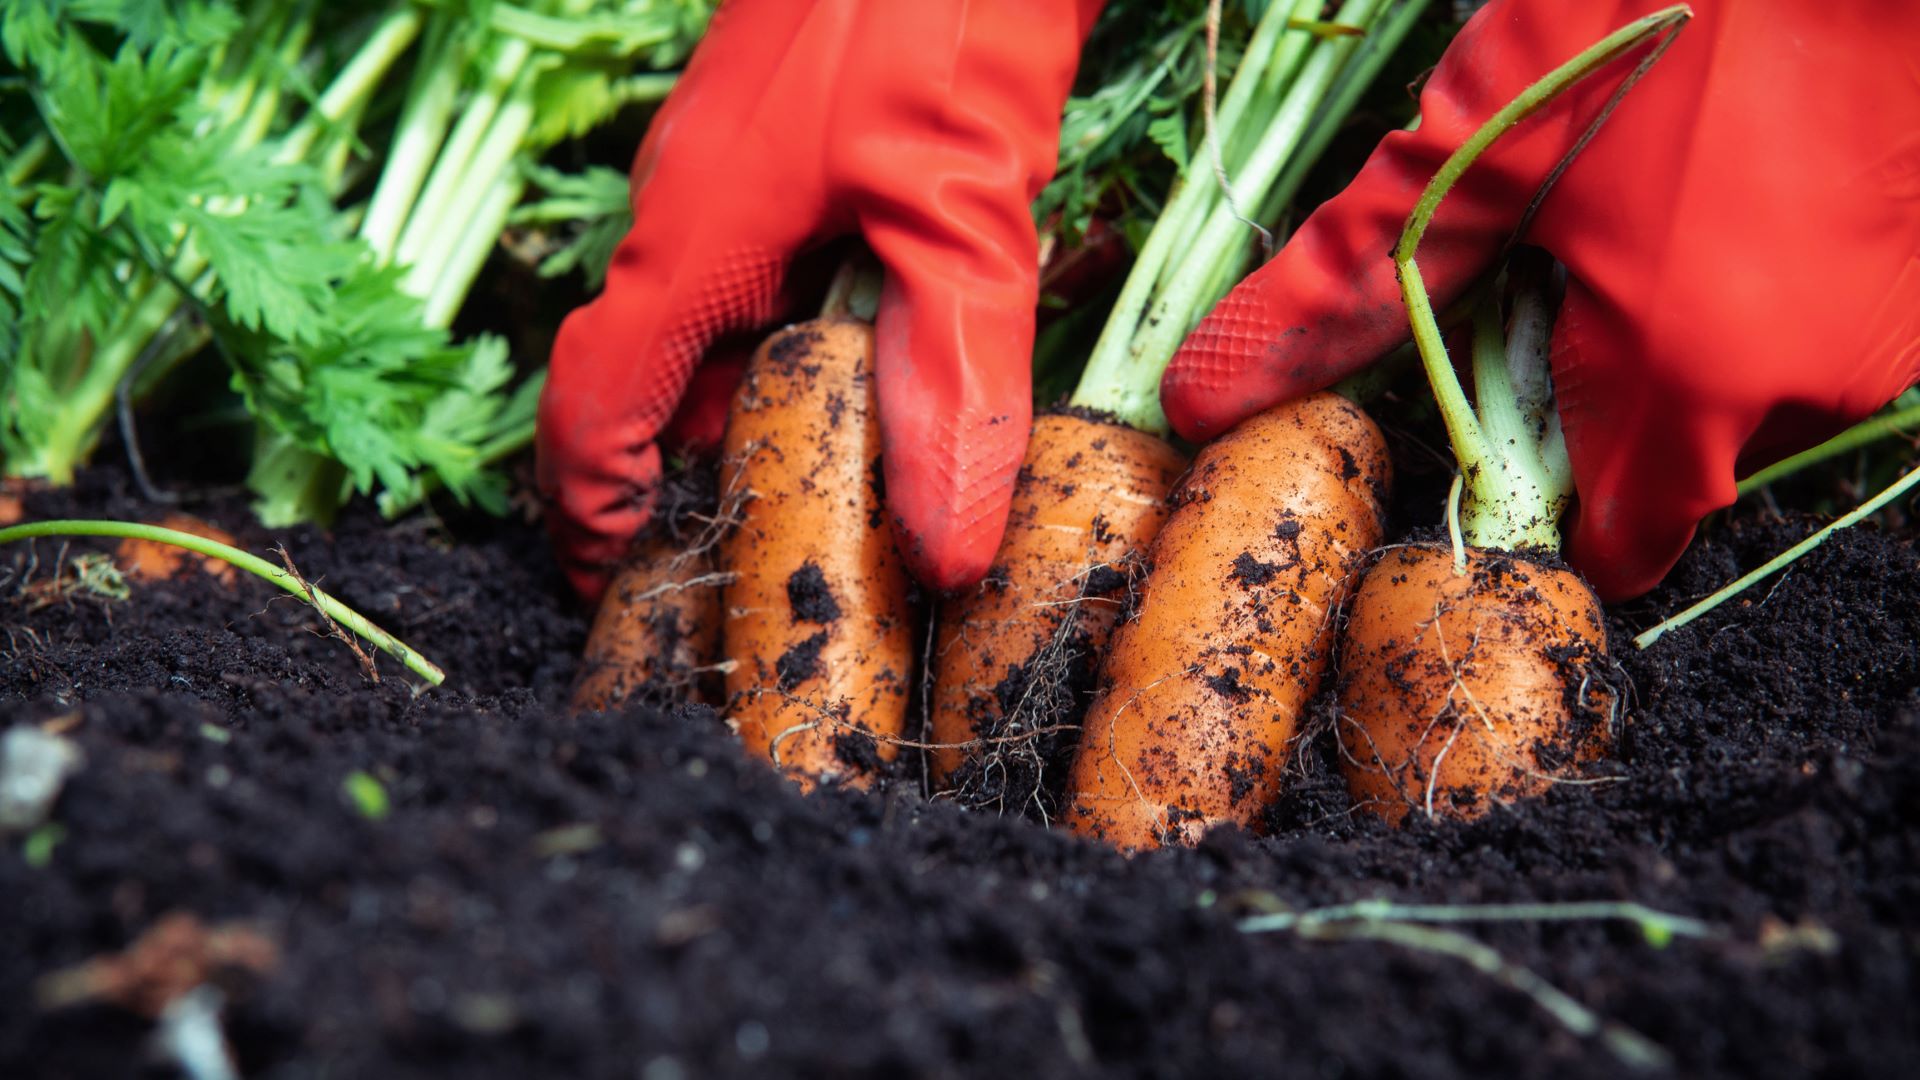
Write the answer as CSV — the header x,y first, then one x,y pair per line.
x,y
927,127
1742,242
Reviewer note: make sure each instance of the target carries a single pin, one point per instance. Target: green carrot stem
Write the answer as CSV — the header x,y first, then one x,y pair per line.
x,y
454,165
258,113
253,564
570,30
1355,77
1780,561
1645,917
83,411
1493,380
1900,421
1198,247
476,241
488,168
423,128
1497,477
1224,239
1105,376
355,83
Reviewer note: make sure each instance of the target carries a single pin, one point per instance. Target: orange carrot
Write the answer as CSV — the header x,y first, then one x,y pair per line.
x,y
1473,675
1090,494
148,560
656,633
1461,690
1203,688
817,625
13,507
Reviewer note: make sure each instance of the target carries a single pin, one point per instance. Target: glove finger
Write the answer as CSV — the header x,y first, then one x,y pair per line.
x,y
1329,302
950,218
700,421
1659,427
1639,497
954,381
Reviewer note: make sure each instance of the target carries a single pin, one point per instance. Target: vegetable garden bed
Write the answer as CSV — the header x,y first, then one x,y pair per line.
x,y
468,882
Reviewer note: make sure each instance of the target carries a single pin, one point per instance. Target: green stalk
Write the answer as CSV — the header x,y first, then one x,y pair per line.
x,y
1901,420
253,564
1864,510
423,128
257,115
566,32
455,164
240,63
72,437
1355,77
1501,508
1527,509
1224,240
456,274
1257,125
458,212
1111,357
356,83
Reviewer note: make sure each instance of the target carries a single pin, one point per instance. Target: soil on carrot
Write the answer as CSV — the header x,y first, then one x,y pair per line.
x,y
468,882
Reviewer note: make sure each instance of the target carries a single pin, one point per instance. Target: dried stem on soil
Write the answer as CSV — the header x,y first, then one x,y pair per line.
x,y
323,602
1401,924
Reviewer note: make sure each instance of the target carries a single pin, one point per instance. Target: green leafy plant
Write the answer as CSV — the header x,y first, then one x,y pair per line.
x,y
309,188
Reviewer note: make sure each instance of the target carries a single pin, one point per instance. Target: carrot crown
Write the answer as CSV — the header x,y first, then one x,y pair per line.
x,y
1513,458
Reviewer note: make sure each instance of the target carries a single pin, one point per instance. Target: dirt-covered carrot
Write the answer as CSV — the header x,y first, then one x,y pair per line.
x,y
1010,653
658,629
817,627
1091,493
1203,688
1476,673
1462,690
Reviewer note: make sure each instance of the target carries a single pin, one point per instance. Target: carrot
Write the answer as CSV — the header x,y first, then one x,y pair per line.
x,y
657,630
1090,495
1007,653
1203,689
150,560
817,625
1476,675
13,507
1461,690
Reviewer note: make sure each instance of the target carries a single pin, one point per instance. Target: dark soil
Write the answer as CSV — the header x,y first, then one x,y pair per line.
x,y
625,895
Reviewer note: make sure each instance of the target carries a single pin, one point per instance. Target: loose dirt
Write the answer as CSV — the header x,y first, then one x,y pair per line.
x,y
626,895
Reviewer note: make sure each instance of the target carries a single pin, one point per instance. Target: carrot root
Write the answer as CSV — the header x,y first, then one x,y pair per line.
x,y
1014,655
657,632
1202,690
817,623
1462,690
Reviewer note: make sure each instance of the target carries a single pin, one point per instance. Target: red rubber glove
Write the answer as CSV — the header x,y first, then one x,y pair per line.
x,y
1740,241
926,126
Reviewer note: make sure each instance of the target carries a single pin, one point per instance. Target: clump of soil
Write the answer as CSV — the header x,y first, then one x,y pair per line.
x,y
626,894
